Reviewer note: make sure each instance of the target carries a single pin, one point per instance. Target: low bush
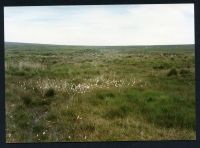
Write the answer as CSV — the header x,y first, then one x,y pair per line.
x,y
172,72
26,100
50,93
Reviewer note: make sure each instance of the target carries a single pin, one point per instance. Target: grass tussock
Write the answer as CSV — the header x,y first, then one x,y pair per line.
x,y
49,93
172,72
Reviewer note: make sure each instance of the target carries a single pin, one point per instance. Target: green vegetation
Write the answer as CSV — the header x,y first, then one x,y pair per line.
x,y
88,93
50,92
172,72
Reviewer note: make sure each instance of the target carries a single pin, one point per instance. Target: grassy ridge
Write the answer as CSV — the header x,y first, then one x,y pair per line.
x,y
72,93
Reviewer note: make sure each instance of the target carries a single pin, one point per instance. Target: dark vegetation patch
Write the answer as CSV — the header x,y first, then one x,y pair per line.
x,y
162,66
118,112
50,93
172,72
27,100
185,72
103,94
165,110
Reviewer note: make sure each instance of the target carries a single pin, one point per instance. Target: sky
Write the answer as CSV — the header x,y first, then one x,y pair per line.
x,y
157,24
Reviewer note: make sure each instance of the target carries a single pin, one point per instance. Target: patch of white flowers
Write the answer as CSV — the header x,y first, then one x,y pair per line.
x,y
64,85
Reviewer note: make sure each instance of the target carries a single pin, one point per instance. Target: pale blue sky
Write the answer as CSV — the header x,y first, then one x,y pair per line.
x,y
101,25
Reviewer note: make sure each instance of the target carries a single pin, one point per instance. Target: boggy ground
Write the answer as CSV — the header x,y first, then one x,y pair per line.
x,y
60,93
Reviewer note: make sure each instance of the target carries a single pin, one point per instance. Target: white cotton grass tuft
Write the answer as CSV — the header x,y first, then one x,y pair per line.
x,y
87,85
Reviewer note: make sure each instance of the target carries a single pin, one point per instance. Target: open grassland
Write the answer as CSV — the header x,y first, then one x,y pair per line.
x,y
74,93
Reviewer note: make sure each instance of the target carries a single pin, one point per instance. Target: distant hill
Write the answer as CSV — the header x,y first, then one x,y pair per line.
x,y
32,46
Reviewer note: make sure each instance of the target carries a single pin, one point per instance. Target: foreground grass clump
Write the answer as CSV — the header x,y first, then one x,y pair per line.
x,y
172,72
166,110
49,93
26,100
97,94
120,112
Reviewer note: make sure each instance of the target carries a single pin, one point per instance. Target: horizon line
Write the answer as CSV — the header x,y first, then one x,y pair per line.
x,y
98,45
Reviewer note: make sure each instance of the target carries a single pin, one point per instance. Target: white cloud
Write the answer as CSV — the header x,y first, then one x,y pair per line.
x,y
101,25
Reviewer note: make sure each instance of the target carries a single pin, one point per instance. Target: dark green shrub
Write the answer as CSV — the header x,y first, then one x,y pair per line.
x,y
149,99
54,62
100,96
20,73
172,72
50,92
110,94
26,100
